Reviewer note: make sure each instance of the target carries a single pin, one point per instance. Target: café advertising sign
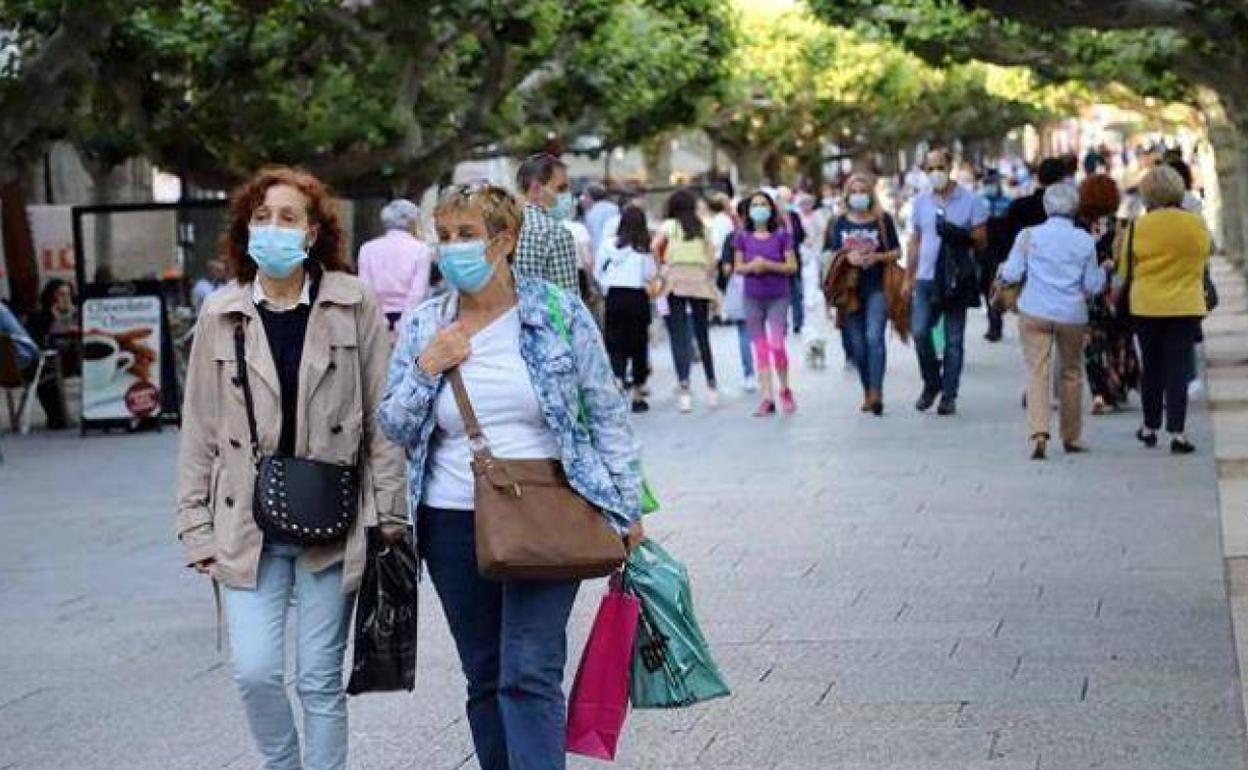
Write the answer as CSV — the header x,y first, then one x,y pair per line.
x,y
121,358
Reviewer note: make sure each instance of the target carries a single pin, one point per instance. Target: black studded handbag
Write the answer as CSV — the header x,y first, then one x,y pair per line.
x,y
300,500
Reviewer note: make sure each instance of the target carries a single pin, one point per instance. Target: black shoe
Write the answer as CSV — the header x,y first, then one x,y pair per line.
x,y
1181,446
640,406
1039,446
1074,447
926,400
877,409
948,406
1147,439
993,336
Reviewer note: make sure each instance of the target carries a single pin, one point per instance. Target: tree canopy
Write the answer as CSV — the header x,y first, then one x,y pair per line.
x,y
799,84
387,92
1056,41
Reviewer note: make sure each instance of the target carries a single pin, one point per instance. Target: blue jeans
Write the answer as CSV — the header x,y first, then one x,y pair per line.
x,y
512,642
938,376
747,352
687,322
257,622
864,332
796,301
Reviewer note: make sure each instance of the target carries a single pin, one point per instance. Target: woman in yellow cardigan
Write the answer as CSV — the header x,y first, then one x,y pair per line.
x,y
1169,249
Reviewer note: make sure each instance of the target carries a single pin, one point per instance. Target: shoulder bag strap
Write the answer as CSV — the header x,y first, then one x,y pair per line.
x,y
881,222
240,364
472,426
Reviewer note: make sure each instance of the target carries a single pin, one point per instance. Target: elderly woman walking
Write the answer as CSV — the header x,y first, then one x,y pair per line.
x,y
1058,263
533,365
1162,265
397,265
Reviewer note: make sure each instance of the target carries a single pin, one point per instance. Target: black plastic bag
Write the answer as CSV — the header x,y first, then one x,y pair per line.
x,y
385,619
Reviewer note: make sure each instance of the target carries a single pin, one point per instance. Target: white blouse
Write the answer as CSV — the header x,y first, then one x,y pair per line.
x,y
623,268
502,395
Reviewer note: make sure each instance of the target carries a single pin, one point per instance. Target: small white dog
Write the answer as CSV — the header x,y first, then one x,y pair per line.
x,y
817,354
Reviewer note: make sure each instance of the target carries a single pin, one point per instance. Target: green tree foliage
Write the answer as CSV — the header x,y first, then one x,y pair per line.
x,y
371,94
47,52
800,84
1148,61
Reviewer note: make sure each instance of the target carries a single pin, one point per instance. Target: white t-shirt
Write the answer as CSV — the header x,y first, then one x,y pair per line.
x,y
502,395
584,247
623,268
722,228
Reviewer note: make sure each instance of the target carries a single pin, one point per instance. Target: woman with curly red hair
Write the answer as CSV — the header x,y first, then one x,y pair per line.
x,y
288,364
1113,369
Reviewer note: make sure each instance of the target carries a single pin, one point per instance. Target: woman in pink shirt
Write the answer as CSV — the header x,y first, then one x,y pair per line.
x,y
396,265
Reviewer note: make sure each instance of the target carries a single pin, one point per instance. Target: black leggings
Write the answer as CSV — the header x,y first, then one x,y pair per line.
x,y
682,348
1166,349
628,334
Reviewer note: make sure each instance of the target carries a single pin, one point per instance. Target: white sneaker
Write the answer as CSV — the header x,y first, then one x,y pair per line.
x,y
750,385
712,398
686,402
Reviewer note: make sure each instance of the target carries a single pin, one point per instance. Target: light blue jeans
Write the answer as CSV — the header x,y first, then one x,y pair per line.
x,y
257,622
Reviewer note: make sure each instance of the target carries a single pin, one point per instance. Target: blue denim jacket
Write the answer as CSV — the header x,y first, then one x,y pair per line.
x,y
601,458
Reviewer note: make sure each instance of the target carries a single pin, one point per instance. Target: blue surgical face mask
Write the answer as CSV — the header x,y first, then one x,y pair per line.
x,y
277,251
859,201
992,190
565,206
465,266
760,214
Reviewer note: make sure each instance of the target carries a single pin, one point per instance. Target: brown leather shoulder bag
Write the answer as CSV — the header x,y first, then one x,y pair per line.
x,y
530,523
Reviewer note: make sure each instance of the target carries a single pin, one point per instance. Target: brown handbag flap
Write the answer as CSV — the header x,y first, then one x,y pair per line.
x,y
530,523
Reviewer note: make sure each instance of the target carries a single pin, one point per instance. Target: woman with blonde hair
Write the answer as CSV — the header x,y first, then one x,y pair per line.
x,y
864,248
1162,266
536,373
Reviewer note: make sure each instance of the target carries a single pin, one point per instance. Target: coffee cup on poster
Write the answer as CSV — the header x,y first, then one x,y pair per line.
x,y
103,361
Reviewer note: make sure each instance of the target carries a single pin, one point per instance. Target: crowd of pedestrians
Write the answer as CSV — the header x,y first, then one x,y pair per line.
x,y
295,358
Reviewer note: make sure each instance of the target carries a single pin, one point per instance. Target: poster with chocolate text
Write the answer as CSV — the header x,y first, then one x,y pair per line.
x,y
121,366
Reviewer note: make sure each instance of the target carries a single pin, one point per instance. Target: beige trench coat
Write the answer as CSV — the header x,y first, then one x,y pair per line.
x,y
342,378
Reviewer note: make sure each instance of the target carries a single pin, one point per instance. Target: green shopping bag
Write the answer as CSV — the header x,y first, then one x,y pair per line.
x,y
672,664
649,503
938,338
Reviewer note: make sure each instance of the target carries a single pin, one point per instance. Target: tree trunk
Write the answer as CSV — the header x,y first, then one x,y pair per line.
x,y
656,153
771,168
102,224
750,170
812,169
1231,157
19,247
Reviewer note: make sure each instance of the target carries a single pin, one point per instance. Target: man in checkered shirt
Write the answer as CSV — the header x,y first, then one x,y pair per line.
x,y
546,249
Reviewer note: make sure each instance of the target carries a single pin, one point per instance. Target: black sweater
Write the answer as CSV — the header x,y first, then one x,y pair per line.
x,y
287,330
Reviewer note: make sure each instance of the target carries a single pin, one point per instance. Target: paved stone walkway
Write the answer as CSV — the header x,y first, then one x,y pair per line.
x,y
906,593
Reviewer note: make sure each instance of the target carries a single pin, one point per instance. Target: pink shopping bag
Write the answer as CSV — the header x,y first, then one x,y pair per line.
x,y
599,701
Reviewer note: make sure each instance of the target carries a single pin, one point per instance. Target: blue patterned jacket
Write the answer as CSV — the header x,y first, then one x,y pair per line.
x,y
602,461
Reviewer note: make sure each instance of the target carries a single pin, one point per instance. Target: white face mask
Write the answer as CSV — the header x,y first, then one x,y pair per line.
x,y
939,179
